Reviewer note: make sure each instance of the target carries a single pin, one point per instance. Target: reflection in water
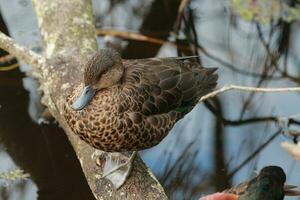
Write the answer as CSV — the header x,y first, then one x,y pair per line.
x,y
42,151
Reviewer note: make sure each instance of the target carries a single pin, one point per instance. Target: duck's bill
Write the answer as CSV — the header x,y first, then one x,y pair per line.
x,y
291,190
84,99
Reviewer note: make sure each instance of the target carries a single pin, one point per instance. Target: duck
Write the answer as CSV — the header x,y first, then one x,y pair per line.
x,y
130,105
269,184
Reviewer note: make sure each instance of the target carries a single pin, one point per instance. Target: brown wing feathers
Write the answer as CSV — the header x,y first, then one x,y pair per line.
x,y
170,84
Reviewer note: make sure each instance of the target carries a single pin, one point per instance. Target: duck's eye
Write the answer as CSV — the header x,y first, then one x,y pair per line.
x,y
98,76
101,74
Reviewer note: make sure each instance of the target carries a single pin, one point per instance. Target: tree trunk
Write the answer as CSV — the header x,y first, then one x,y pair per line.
x,y
68,33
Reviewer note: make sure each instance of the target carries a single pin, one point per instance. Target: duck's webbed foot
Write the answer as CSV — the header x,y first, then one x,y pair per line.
x,y
118,167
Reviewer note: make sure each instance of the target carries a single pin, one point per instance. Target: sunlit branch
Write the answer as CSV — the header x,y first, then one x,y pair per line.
x,y
9,67
8,62
22,53
130,35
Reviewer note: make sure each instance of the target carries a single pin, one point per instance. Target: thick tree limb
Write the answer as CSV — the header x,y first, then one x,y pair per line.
x,y
68,34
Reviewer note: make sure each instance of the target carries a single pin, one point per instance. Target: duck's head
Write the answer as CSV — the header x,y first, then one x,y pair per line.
x,y
275,173
104,69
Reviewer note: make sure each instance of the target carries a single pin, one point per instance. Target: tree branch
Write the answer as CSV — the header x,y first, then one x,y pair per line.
x,y
22,53
180,11
247,89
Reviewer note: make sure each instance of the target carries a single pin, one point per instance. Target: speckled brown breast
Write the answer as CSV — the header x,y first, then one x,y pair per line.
x,y
108,123
139,113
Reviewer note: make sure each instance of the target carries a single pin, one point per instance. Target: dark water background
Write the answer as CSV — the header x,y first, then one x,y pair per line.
x,y
189,161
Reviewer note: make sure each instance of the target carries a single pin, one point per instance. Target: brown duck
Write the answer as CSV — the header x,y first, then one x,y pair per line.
x,y
129,105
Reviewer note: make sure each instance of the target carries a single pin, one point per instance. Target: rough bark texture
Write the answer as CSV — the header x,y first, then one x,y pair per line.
x,y
69,37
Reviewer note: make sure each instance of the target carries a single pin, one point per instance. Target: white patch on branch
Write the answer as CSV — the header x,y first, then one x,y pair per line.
x,y
247,89
50,49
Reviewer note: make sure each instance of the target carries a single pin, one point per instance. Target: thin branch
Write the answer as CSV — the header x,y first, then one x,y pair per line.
x,y
9,67
20,52
257,151
247,89
240,122
130,35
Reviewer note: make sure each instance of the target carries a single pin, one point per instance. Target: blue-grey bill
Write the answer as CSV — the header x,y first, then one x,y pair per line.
x,y
84,99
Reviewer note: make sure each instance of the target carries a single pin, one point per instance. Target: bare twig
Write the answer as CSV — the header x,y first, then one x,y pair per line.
x,y
9,67
130,35
247,89
258,150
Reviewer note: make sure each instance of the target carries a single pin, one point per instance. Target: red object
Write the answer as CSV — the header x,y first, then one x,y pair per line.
x,y
220,196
